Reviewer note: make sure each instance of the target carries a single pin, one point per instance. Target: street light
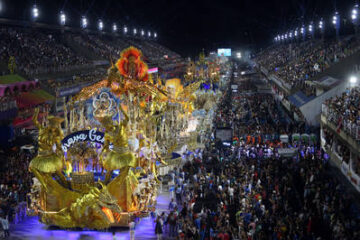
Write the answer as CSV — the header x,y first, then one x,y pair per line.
x,y
35,12
142,32
321,24
114,27
135,31
101,25
62,18
149,34
155,35
84,22
125,30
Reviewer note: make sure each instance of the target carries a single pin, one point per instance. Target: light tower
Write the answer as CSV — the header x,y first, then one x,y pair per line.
x,y
322,28
84,22
355,17
62,18
35,12
336,23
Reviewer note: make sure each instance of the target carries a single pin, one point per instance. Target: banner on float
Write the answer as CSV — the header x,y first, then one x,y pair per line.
x,y
82,136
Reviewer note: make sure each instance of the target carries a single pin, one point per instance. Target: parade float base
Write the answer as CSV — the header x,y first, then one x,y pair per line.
x,y
30,228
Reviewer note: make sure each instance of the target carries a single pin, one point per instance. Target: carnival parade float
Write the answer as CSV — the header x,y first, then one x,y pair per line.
x,y
98,166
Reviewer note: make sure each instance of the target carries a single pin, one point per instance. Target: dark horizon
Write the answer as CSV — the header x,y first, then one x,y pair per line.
x,y
187,26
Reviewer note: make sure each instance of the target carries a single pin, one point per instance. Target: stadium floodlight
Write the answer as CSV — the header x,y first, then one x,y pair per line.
x,y
310,28
336,23
125,30
290,34
155,35
142,32
238,55
149,34
286,36
295,33
100,25
321,24
135,31
114,27
353,79
84,22
62,18
355,13
35,12
302,30
282,37
336,19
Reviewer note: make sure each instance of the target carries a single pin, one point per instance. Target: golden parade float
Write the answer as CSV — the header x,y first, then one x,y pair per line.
x,y
98,166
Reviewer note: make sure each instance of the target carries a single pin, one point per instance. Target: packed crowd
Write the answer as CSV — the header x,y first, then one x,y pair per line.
x,y
249,191
15,184
37,52
295,63
55,85
106,47
344,111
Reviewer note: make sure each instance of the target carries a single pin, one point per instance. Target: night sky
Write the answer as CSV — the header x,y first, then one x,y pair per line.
x,y
187,26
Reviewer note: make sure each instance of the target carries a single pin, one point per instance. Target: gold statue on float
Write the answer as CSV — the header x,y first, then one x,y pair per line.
x,y
119,157
49,161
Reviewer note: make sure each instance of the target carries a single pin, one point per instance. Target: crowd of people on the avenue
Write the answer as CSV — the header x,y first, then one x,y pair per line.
x,y
344,111
15,184
298,62
250,191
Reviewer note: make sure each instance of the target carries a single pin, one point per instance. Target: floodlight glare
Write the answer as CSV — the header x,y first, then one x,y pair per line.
x,y
35,12
295,33
84,22
354,13
155,35
310,28
135,31
321,24
114,27
62,18
101,25
149,34
335,19
353,79
142,32
125,29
